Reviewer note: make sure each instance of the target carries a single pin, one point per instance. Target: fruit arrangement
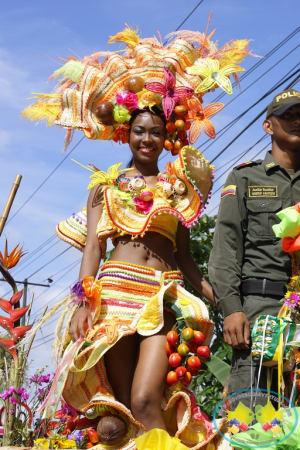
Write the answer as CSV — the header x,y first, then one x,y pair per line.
x,y
177,127
185,355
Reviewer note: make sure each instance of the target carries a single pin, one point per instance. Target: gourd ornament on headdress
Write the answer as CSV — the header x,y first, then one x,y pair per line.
x,y
99,97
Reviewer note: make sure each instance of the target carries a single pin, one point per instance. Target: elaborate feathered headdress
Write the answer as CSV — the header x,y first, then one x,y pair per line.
x,y
99,97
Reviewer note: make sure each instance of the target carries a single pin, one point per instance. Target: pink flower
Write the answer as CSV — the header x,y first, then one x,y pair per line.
x,y
128,99
14,401
170,93
292,300
142,206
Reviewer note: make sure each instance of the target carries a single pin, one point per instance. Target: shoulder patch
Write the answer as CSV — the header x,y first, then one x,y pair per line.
x,y
249,163
228,190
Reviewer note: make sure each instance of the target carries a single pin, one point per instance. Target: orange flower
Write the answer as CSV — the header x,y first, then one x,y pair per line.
x,y
12,259
121,133
199,118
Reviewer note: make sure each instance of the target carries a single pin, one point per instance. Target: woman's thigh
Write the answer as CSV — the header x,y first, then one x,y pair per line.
x,y
152,365
120,363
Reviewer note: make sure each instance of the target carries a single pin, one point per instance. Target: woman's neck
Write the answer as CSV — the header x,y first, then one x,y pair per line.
x,y
146,170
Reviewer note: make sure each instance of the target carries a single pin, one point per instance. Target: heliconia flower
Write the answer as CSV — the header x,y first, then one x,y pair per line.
x,y
291,299
199,118
211,73
169,91
16,297
7,344
16,314
12,259
18,332
6,323
5,305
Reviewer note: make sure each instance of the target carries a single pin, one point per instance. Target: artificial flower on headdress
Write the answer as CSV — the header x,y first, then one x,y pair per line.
x,y
148,99
169,92
198,116
121,133
211,73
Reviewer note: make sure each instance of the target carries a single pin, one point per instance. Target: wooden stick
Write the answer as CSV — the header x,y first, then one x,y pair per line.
x,y
9,202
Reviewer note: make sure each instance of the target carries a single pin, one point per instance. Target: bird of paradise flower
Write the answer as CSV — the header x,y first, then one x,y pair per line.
x,y
199,117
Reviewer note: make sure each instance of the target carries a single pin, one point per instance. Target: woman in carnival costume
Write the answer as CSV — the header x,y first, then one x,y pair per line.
x,y
113,364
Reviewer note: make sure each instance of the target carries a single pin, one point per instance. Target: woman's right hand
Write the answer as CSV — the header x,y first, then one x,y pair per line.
x,y
81,322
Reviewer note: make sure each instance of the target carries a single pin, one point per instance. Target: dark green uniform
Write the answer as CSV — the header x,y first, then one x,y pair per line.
x,y
246,250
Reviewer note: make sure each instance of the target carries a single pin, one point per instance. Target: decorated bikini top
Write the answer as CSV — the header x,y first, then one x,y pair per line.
x,y
130,207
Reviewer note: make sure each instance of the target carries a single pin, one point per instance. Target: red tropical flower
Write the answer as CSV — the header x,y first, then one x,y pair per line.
x,y
170,93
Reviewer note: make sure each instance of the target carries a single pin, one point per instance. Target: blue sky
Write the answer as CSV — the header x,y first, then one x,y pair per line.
x,y
33,35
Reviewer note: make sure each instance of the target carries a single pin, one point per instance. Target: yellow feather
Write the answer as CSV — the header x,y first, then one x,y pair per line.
x,y
128,35
41,111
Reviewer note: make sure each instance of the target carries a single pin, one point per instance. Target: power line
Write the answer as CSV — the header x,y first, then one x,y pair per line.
x,y
230,124
46,179
260,114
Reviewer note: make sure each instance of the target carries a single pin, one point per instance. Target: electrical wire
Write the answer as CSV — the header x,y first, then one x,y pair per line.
x,y
46,179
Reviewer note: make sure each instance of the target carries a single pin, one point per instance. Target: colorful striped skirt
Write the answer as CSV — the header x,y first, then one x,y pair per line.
x,y
133,300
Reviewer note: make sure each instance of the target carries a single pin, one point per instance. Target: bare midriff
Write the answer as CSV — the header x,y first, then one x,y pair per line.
x,y
153,250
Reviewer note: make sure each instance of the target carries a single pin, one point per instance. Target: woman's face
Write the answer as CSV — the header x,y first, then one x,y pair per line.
x,y
147,136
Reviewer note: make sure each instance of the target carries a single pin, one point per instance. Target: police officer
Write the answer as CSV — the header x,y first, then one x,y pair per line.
x,y
248,268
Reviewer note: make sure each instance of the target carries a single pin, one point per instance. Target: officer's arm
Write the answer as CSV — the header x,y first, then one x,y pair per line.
x,y
225,263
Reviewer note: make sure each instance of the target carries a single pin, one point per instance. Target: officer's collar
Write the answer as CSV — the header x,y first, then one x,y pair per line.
x,y
270,162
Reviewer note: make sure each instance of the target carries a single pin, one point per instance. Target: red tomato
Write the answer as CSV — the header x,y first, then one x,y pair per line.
x,y
180,124
187,125
169,348
181,134
168,145
186,380
93,436
199,337
175,360
172,337
180,110
192,346
172,378
194,362
183,349
181,371
188,334
193,371
175,152
203,351
170,127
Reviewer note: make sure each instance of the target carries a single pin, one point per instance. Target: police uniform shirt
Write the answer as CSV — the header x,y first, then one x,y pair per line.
x,y
244,244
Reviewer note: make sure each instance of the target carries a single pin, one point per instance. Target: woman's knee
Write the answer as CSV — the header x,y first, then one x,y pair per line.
x,y
144,403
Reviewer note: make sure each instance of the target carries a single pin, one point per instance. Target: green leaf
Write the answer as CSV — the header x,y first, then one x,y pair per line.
x,y
219,368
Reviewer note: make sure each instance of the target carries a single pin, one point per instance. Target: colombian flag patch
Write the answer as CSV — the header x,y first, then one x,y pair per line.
x,y
228,190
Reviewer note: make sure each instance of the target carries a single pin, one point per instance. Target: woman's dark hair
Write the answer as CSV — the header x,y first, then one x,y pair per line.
x,y
155,111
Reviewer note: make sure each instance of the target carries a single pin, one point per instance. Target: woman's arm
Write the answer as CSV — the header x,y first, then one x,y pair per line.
x,y
187,265
82,319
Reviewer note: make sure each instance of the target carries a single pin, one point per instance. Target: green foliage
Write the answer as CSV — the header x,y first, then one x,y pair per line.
x,y
207,388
